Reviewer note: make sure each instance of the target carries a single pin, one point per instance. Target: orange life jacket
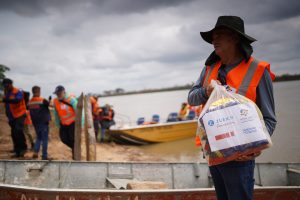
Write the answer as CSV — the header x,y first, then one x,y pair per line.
x,y
35,102
244,78
183,113
109,116
18,109
198,110
65,112
95,107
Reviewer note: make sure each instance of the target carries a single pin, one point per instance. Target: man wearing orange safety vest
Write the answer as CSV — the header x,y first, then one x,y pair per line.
x,y
231,64
184,111
95,113
106,119
15,107
64,112
40,115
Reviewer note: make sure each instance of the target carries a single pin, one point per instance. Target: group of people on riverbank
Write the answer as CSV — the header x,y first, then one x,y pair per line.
x,y
23,111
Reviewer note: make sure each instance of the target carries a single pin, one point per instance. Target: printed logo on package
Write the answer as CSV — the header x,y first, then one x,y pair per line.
x,y
211,122
244,112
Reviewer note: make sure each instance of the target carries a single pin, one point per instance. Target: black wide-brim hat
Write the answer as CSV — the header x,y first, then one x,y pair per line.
x,y
232,22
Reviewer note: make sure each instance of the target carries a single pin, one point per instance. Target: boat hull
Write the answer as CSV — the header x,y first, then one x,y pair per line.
x,y
10,192
155,133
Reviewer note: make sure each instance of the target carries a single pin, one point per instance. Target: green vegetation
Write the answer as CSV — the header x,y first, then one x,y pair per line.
x,y
3,69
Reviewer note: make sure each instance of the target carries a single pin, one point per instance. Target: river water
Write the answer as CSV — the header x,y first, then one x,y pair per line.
x,y
286,137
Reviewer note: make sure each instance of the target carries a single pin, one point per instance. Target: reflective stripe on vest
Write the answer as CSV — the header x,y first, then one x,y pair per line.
x,y
209,70
65,112
35,102
18,109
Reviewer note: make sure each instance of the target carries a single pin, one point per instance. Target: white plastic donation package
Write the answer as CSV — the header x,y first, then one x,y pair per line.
x,y
229,126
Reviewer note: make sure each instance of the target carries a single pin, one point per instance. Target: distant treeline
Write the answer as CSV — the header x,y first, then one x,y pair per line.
x,y
120,91
287,77
116,93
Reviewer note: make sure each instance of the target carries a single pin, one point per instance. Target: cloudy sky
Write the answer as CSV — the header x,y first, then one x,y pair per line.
x,y
97,45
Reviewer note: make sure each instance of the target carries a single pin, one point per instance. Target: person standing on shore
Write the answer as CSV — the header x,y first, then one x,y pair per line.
x,y
95,113
40,115
15,107
64,112
106,120
231,64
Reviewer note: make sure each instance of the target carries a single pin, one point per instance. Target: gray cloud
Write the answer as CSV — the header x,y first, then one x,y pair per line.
x,y
134,44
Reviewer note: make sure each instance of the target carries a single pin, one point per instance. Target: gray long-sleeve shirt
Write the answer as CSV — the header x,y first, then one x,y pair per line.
x,y
264,96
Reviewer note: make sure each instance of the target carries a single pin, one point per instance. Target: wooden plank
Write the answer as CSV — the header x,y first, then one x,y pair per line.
x,y
78,128
89,130
146,185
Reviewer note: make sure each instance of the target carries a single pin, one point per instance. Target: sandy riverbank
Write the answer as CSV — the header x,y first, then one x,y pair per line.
x,y
106,152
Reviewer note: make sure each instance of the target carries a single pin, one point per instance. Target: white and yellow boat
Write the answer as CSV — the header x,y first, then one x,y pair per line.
x,y
154,133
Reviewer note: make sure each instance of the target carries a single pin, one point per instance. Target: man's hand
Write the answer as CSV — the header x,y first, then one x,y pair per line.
x,y
248,157
210,88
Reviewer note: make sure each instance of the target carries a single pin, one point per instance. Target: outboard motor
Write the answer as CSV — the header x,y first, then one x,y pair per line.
x,y
191,115
173,117
155,118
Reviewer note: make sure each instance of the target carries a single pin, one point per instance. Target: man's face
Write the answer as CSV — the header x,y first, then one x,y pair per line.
x,y
8,87
224,40
61,95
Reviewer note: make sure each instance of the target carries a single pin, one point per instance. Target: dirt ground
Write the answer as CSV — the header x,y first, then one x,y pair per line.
x,y
106,152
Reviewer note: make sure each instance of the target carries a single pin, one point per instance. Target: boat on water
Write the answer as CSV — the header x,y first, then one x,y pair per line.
x,y
154,133
57,180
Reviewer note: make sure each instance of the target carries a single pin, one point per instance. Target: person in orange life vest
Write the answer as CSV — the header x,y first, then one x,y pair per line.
x,y
106,119
231,64
27,124
15,107
64,112
40,115
95,112
184,111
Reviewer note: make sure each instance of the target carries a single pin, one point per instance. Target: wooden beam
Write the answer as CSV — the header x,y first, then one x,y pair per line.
x,y
89,131
78,128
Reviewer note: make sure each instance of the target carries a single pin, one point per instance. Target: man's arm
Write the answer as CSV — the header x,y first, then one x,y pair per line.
x,y
17,99
46,103
265,101
74,102
56,117
197,94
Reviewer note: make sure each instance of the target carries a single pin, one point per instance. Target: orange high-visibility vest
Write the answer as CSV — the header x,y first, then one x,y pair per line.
x,y
183,113
244,78
18,109
95,107
109,116
35,102
65,112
